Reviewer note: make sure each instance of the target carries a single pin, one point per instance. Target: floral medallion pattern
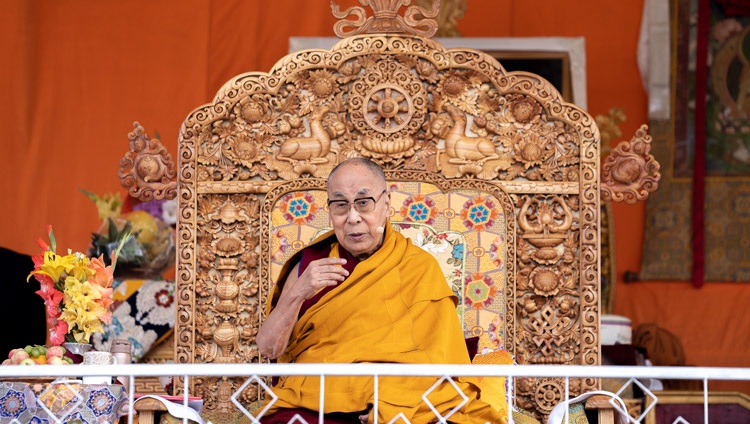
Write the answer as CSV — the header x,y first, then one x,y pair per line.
x,y
12,404
418,208
299,208
101,402
479,213
480,291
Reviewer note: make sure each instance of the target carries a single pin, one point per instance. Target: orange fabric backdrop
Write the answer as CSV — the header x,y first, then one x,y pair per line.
x,y
77,73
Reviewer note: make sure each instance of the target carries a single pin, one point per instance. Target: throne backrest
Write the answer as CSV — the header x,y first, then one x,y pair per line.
x,y
464,227
494,161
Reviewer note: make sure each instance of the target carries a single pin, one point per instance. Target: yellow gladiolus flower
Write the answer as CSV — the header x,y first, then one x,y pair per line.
x,y
80,292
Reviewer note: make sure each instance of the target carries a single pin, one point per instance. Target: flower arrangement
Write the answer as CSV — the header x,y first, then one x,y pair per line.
x,y
77,291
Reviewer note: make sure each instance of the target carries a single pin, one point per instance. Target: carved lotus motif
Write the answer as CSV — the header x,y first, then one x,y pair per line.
x,y
426,70
530,306
321,83
567,306
249,333
545,281
228,246
531,152
203,174
252,112
454,85
243,150
546,255
525,109
349,70
530,149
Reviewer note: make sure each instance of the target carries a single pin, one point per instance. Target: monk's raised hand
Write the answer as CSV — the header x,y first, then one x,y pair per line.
x,y
322,273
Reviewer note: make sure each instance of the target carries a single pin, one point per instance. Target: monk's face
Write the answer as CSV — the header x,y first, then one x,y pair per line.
x,y
357,231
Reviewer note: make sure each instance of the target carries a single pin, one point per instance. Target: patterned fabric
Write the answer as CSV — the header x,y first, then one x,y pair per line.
x,y
524,417
667,245
464,229
40,403
144,314
577,414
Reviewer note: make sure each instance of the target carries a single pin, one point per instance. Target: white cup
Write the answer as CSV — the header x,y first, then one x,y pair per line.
x,y
98,358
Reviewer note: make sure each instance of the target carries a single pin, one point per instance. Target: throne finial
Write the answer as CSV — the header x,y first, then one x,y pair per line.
x,y
385,19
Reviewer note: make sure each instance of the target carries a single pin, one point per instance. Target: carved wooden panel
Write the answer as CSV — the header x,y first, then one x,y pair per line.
x,y
453,117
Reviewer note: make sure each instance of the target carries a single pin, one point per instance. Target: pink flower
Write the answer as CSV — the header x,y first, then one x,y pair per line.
x,y
106,299
52,299
57,333
103,274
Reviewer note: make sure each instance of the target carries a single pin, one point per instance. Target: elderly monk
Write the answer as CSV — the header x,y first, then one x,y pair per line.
x,y
364,293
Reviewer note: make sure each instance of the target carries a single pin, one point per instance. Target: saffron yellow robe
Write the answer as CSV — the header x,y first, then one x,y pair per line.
x,y
394,307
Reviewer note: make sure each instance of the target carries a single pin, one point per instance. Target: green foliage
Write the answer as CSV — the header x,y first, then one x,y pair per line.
x,y
131,253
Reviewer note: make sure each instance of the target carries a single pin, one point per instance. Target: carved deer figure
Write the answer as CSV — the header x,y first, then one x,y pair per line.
x,y
462,148
313,148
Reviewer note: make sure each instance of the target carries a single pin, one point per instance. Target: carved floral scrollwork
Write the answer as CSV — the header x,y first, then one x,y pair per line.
x,y
385,19
549,279
630,172
548,284
227,284
147,170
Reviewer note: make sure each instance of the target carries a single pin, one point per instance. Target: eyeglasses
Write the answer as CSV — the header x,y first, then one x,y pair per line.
x,y
361,205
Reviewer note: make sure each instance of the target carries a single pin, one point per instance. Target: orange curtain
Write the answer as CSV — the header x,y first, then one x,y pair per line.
x,y
79,72
76,74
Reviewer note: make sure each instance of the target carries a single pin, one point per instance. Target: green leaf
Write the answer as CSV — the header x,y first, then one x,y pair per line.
x,y
52,241
112,233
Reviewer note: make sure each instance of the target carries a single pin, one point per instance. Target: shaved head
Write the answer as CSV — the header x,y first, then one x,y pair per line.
x,y
367,163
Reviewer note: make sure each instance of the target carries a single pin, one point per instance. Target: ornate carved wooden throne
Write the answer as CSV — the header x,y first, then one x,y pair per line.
x,y
490,170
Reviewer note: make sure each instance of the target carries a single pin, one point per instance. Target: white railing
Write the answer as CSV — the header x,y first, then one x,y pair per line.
x,y
255,371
